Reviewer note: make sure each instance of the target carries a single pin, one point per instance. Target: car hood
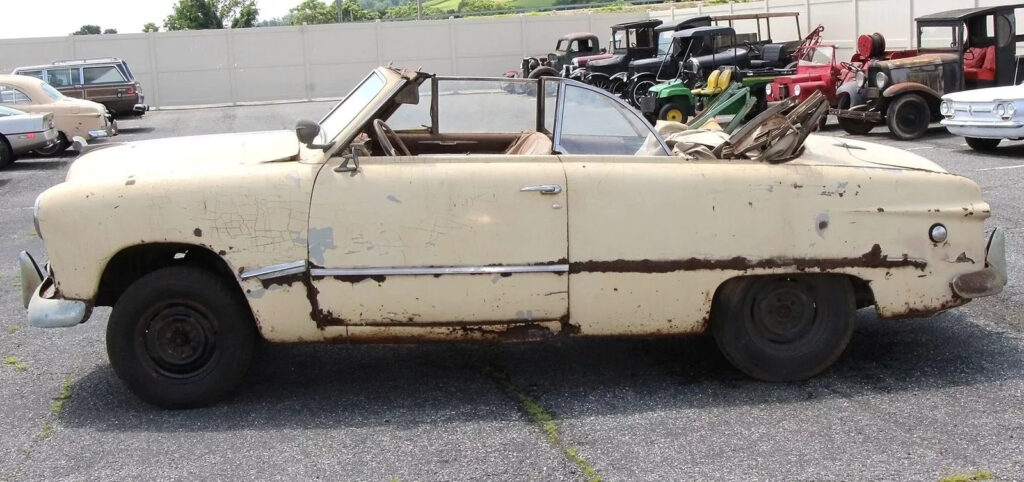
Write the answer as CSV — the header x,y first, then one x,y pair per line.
x,y
837,151
1012,92
653,61
185,156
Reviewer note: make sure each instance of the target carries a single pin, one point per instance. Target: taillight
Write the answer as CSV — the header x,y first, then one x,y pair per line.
x,y
130,91
30,135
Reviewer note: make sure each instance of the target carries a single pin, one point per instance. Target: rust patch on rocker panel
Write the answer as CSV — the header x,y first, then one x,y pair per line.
x,y
871,259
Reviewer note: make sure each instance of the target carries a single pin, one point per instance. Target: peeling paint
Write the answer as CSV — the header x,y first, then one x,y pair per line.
x,y
320,240
821,224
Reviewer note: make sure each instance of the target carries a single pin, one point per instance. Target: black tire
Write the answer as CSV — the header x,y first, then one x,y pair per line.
x,y
978,144
673,112
908,117
6,154
783,328
639,89
181,337
852,126
543,72
56,148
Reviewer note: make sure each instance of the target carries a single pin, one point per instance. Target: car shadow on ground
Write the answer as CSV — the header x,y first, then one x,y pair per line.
x,y
133,130
356,386
40,164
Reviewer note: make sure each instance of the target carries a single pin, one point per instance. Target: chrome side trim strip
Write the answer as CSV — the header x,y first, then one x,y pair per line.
x,y
440,270
275,271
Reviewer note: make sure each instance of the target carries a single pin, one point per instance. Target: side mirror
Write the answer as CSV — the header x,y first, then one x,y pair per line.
x,y
306,131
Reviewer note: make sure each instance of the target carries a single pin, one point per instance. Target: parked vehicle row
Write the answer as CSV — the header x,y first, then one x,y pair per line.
x,y
21,132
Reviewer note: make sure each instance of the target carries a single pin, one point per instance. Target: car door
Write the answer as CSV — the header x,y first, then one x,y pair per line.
x,y
443,240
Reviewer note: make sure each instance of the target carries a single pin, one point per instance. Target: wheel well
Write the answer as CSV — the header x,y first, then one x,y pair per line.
x,y
134,262
861,289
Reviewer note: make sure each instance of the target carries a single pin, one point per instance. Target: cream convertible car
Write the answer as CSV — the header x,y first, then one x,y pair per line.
x,y
410,213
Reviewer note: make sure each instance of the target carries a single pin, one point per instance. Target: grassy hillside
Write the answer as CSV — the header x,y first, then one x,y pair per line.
x,y
454,4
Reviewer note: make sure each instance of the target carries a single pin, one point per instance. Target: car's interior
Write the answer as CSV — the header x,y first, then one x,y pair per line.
x,y
449,116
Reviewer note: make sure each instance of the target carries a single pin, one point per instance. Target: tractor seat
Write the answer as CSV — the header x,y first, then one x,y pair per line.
x,y
718,81
530,143
980,63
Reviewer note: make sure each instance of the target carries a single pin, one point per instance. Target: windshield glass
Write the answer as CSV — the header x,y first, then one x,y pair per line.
x,y
349,108
665,42
817,56
51,92
938,37
620,41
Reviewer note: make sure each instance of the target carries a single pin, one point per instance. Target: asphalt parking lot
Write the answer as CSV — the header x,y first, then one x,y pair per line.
x,y
909,400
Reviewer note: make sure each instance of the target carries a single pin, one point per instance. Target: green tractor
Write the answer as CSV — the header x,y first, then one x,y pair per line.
x,y
674,101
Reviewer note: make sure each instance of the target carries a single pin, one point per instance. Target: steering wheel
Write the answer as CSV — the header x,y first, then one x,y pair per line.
x,y
849,66
752,48
383,132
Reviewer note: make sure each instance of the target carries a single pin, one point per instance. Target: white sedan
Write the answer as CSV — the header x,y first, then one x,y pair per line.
x,y
985,116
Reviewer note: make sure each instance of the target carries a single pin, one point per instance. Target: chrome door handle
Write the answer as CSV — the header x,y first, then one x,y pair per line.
x,y
543,189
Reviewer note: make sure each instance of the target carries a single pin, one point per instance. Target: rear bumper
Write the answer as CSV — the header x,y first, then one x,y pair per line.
x,y
39,295
988,281
22,143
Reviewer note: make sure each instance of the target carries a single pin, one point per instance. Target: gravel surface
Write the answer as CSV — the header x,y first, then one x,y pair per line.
x,y
916,399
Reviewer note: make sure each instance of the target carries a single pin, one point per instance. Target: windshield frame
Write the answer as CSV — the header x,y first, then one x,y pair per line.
x,y
384,84
958,34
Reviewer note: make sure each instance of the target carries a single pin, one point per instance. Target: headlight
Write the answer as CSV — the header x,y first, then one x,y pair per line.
x,y
768,89
35,217
796,90
1001,110
861,79
946,108
694,65
881,80
575,62
1010,110
938,233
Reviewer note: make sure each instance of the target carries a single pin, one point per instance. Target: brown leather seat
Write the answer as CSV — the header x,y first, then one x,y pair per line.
x,y
530,144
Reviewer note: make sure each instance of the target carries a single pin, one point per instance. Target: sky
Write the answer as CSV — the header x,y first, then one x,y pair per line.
x,y
52,18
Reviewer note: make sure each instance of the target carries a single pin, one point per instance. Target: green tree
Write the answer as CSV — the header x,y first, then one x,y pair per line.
x,y
212,14
352,11
110,30
482,5
87,30
314,12
150,27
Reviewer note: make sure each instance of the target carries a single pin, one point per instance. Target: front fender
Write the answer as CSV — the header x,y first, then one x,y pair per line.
x,y
639,76
908,87
856,94
621,76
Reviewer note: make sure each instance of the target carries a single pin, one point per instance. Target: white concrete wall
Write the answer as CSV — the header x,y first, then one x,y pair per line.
x,y
323,61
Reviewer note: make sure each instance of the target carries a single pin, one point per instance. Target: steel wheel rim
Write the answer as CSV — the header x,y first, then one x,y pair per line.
x,y
782,315
910,117
640,89
674,115
178,339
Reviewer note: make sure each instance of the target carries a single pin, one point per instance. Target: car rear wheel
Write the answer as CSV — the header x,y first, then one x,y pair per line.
x,y
908,117
181,337
982,145
55,148
783,328
852,126
672,112
6,154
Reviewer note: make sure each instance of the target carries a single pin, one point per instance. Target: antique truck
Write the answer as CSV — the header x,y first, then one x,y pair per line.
x,y
568,48
630,41
695,52
817,70
958,50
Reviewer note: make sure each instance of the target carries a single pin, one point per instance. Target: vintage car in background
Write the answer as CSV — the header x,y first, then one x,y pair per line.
x,y
72,117
985,116
107,81
962,49
696,52
21,132
403,217
630,41
568,48
817,70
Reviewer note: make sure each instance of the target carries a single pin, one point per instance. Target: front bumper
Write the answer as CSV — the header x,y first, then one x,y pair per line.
x,y
45,308
859,113
988,281
108,130
1009,129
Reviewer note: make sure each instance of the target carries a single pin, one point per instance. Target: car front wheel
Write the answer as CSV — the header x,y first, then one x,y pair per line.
x,y
181,337
982,145
783,328
908,117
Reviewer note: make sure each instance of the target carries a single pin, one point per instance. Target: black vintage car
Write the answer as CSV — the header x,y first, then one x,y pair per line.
x,y
696,51
630,41
569,47
958,50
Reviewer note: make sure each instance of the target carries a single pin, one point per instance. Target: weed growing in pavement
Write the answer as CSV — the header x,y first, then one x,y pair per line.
x,y
980,475
62,396
31,234
541,417
13,329
16,363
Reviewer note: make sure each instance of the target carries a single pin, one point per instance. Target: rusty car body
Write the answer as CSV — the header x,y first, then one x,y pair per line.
x,y
400,217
